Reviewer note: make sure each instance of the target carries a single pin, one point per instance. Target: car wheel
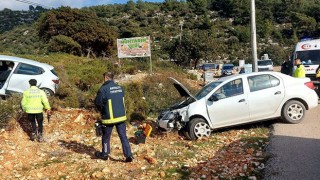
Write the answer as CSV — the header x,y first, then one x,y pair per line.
x,y
198,128
185,132
48,92
293,112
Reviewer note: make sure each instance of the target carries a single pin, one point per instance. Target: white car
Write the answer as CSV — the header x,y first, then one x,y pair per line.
x,y
239,99
23,71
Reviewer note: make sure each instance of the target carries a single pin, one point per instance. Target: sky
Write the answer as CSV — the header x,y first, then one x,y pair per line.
x,y
24,4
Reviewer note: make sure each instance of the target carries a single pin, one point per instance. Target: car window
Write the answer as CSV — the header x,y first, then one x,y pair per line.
x,y
3,66
29,69
207,89
227,67
232,88
54,72
264,81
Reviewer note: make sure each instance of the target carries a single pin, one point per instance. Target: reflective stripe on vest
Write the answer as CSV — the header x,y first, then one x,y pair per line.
x,y
113,120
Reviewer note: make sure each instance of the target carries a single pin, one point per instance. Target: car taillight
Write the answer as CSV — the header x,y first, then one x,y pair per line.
x,y
56,81
310,85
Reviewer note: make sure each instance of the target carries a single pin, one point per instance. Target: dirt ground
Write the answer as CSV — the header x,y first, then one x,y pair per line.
x,y
70,143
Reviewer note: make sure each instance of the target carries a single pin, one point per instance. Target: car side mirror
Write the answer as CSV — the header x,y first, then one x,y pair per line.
x,y
213,98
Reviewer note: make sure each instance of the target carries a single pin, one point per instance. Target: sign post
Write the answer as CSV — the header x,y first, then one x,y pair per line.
x,y
134,47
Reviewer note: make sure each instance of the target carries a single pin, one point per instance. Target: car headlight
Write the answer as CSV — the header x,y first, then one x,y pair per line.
x,y
169,116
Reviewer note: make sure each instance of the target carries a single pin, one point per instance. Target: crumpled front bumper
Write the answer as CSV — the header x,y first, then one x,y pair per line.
x,y
166,120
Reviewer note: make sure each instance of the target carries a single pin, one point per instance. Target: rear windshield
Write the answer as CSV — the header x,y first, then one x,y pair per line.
x,y
54,72
227,67
209,66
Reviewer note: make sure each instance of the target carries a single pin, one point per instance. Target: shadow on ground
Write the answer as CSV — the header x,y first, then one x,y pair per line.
x,y
25,124
78,148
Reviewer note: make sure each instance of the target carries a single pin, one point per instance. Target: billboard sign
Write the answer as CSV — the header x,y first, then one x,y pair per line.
x,y
134,47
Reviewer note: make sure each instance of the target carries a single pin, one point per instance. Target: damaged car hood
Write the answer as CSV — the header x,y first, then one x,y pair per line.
x,y
183,91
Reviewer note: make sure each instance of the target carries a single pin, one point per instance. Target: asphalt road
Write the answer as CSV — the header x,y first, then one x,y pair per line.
x,y
294,149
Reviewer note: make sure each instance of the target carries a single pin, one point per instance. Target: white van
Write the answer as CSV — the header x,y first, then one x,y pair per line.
x,y
24,70
265,64
308,51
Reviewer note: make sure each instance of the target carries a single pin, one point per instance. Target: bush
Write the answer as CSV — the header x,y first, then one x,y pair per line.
x,y
10,109
65,44
136,106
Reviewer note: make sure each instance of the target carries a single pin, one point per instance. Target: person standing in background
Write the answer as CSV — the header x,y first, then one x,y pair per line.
x,y
300,71
286,67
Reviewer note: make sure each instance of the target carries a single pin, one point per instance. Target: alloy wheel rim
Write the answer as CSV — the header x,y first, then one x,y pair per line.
x,y
295,112
202,129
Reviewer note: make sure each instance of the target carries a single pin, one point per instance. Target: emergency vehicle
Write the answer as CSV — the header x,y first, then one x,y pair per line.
x,y
308,51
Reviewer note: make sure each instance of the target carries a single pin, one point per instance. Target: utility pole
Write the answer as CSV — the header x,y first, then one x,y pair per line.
x,y
181,24
254,37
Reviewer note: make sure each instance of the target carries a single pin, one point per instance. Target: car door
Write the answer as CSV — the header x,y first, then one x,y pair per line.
x,y
4,67
19,80
265,97
230,106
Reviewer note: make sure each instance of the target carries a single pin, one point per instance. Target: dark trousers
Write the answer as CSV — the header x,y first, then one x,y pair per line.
x,y
32,118
106,135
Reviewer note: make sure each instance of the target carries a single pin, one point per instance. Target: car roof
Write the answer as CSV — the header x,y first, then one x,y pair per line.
x,y
23,60
225,78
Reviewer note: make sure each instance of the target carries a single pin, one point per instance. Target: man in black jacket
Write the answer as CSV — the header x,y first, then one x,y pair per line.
x,y
286,67
110,102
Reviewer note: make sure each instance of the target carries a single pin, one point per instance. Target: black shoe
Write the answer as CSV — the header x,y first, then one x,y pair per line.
x,y
40,138
33,136
129,159
101,155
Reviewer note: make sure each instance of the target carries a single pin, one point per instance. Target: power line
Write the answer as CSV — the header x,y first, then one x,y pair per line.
x,y
34,3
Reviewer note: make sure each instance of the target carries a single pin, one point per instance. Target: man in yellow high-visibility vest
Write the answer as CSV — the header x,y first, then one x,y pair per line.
x,y
33,102
299,72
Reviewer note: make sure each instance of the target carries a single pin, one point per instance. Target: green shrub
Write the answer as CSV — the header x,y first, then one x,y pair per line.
x,y
136,105
10,109
65,44
192,77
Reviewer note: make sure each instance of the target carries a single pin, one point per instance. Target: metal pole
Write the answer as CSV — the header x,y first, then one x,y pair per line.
x,y
150,65
181,24
150,55
254,37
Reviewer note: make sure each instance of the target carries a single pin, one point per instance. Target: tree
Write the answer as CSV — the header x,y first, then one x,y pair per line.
x,y
63,43
198,6
185,51
82,26
303,24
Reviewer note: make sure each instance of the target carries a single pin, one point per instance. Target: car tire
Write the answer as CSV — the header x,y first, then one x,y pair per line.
x,y
48,92
293,112
198,128
185,133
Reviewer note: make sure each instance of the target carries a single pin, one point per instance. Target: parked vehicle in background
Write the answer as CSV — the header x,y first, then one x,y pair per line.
x,y
23,71
265,64
308,51
209,66
227,69
239,99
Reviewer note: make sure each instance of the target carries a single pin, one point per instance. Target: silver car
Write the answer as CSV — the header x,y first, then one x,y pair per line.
x,y
24,70
239,99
